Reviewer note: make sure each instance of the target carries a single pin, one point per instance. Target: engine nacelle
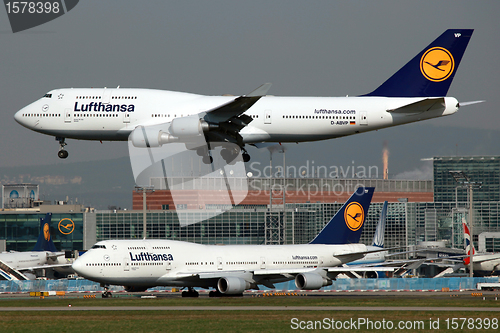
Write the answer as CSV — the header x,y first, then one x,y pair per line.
x,y
145,137
232,285
370,275
311,281
131,289
187,127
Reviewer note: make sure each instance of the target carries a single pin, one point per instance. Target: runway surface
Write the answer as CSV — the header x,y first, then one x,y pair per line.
x,y
249,308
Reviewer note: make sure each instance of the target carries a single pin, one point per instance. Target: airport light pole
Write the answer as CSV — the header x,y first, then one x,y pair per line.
x,y
461,178
144,190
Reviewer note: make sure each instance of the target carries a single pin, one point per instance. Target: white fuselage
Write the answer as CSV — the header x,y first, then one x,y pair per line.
x,y
175,263
20,260
111,114
486,264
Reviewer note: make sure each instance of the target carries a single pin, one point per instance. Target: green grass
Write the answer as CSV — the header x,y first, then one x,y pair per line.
x,y
228,321
206,321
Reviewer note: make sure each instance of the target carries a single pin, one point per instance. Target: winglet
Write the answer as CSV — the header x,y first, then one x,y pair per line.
x,y
260,91
378,239
347,224
44,242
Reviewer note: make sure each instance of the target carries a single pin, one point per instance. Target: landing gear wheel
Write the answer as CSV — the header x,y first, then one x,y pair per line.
x,y
190,293
229,155
62,153
106,293
207,159
62,143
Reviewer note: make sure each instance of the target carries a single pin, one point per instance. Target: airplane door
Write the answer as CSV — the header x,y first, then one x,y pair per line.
x,y
268,116
126,264
169,265
67,115
262,263
126,117
363,120
219,263
106,96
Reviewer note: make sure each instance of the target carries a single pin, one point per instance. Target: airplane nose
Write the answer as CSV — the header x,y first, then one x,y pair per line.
x,y
77,266
19,117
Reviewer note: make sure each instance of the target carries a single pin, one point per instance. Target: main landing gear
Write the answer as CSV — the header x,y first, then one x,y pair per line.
x,y
190,293
228,154
62,153
106,293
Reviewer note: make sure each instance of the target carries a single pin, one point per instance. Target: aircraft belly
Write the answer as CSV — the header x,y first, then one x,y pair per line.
x,y
107,135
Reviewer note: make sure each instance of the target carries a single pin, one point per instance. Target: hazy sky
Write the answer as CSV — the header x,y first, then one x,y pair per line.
x,y
309,48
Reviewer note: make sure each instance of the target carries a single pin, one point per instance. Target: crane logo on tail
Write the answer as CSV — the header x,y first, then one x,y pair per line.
x,y
437,64
354,216
46,232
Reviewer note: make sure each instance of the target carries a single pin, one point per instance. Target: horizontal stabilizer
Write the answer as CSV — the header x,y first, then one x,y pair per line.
x,y
428,104
471,103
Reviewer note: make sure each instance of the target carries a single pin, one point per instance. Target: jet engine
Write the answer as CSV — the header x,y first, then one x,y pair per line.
x,y
370,275
150,136
185,129
310,281
232,285
188,127
131,289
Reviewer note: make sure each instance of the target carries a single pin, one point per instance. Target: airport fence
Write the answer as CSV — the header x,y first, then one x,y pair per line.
x,y
392,284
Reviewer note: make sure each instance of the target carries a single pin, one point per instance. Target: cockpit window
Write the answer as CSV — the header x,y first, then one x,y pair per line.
x,y
48,95
99,247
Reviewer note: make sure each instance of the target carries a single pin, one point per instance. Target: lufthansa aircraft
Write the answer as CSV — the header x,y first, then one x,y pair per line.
x,y
152,118
230,269
21,265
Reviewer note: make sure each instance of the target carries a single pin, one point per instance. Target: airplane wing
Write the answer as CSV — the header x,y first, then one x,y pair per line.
x,y
236,107
34,268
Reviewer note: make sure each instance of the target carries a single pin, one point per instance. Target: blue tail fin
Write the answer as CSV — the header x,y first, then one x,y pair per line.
x,y
378,239
430,73
44,242
346,226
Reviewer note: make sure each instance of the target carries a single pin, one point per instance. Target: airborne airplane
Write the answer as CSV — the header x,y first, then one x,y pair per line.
x,y
230,269
152,118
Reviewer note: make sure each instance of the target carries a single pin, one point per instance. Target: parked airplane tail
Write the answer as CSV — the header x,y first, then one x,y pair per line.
x,y
378,239
467,237
431,72
44,242
347,224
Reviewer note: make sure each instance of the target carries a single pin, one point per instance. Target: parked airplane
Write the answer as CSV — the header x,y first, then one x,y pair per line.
x,y
152,118
485,264
229,269
21,265
373,258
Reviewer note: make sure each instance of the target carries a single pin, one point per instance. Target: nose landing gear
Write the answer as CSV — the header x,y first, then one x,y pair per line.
x,y
62,153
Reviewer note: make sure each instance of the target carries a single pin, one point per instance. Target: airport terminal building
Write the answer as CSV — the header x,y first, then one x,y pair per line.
x,y
418,211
